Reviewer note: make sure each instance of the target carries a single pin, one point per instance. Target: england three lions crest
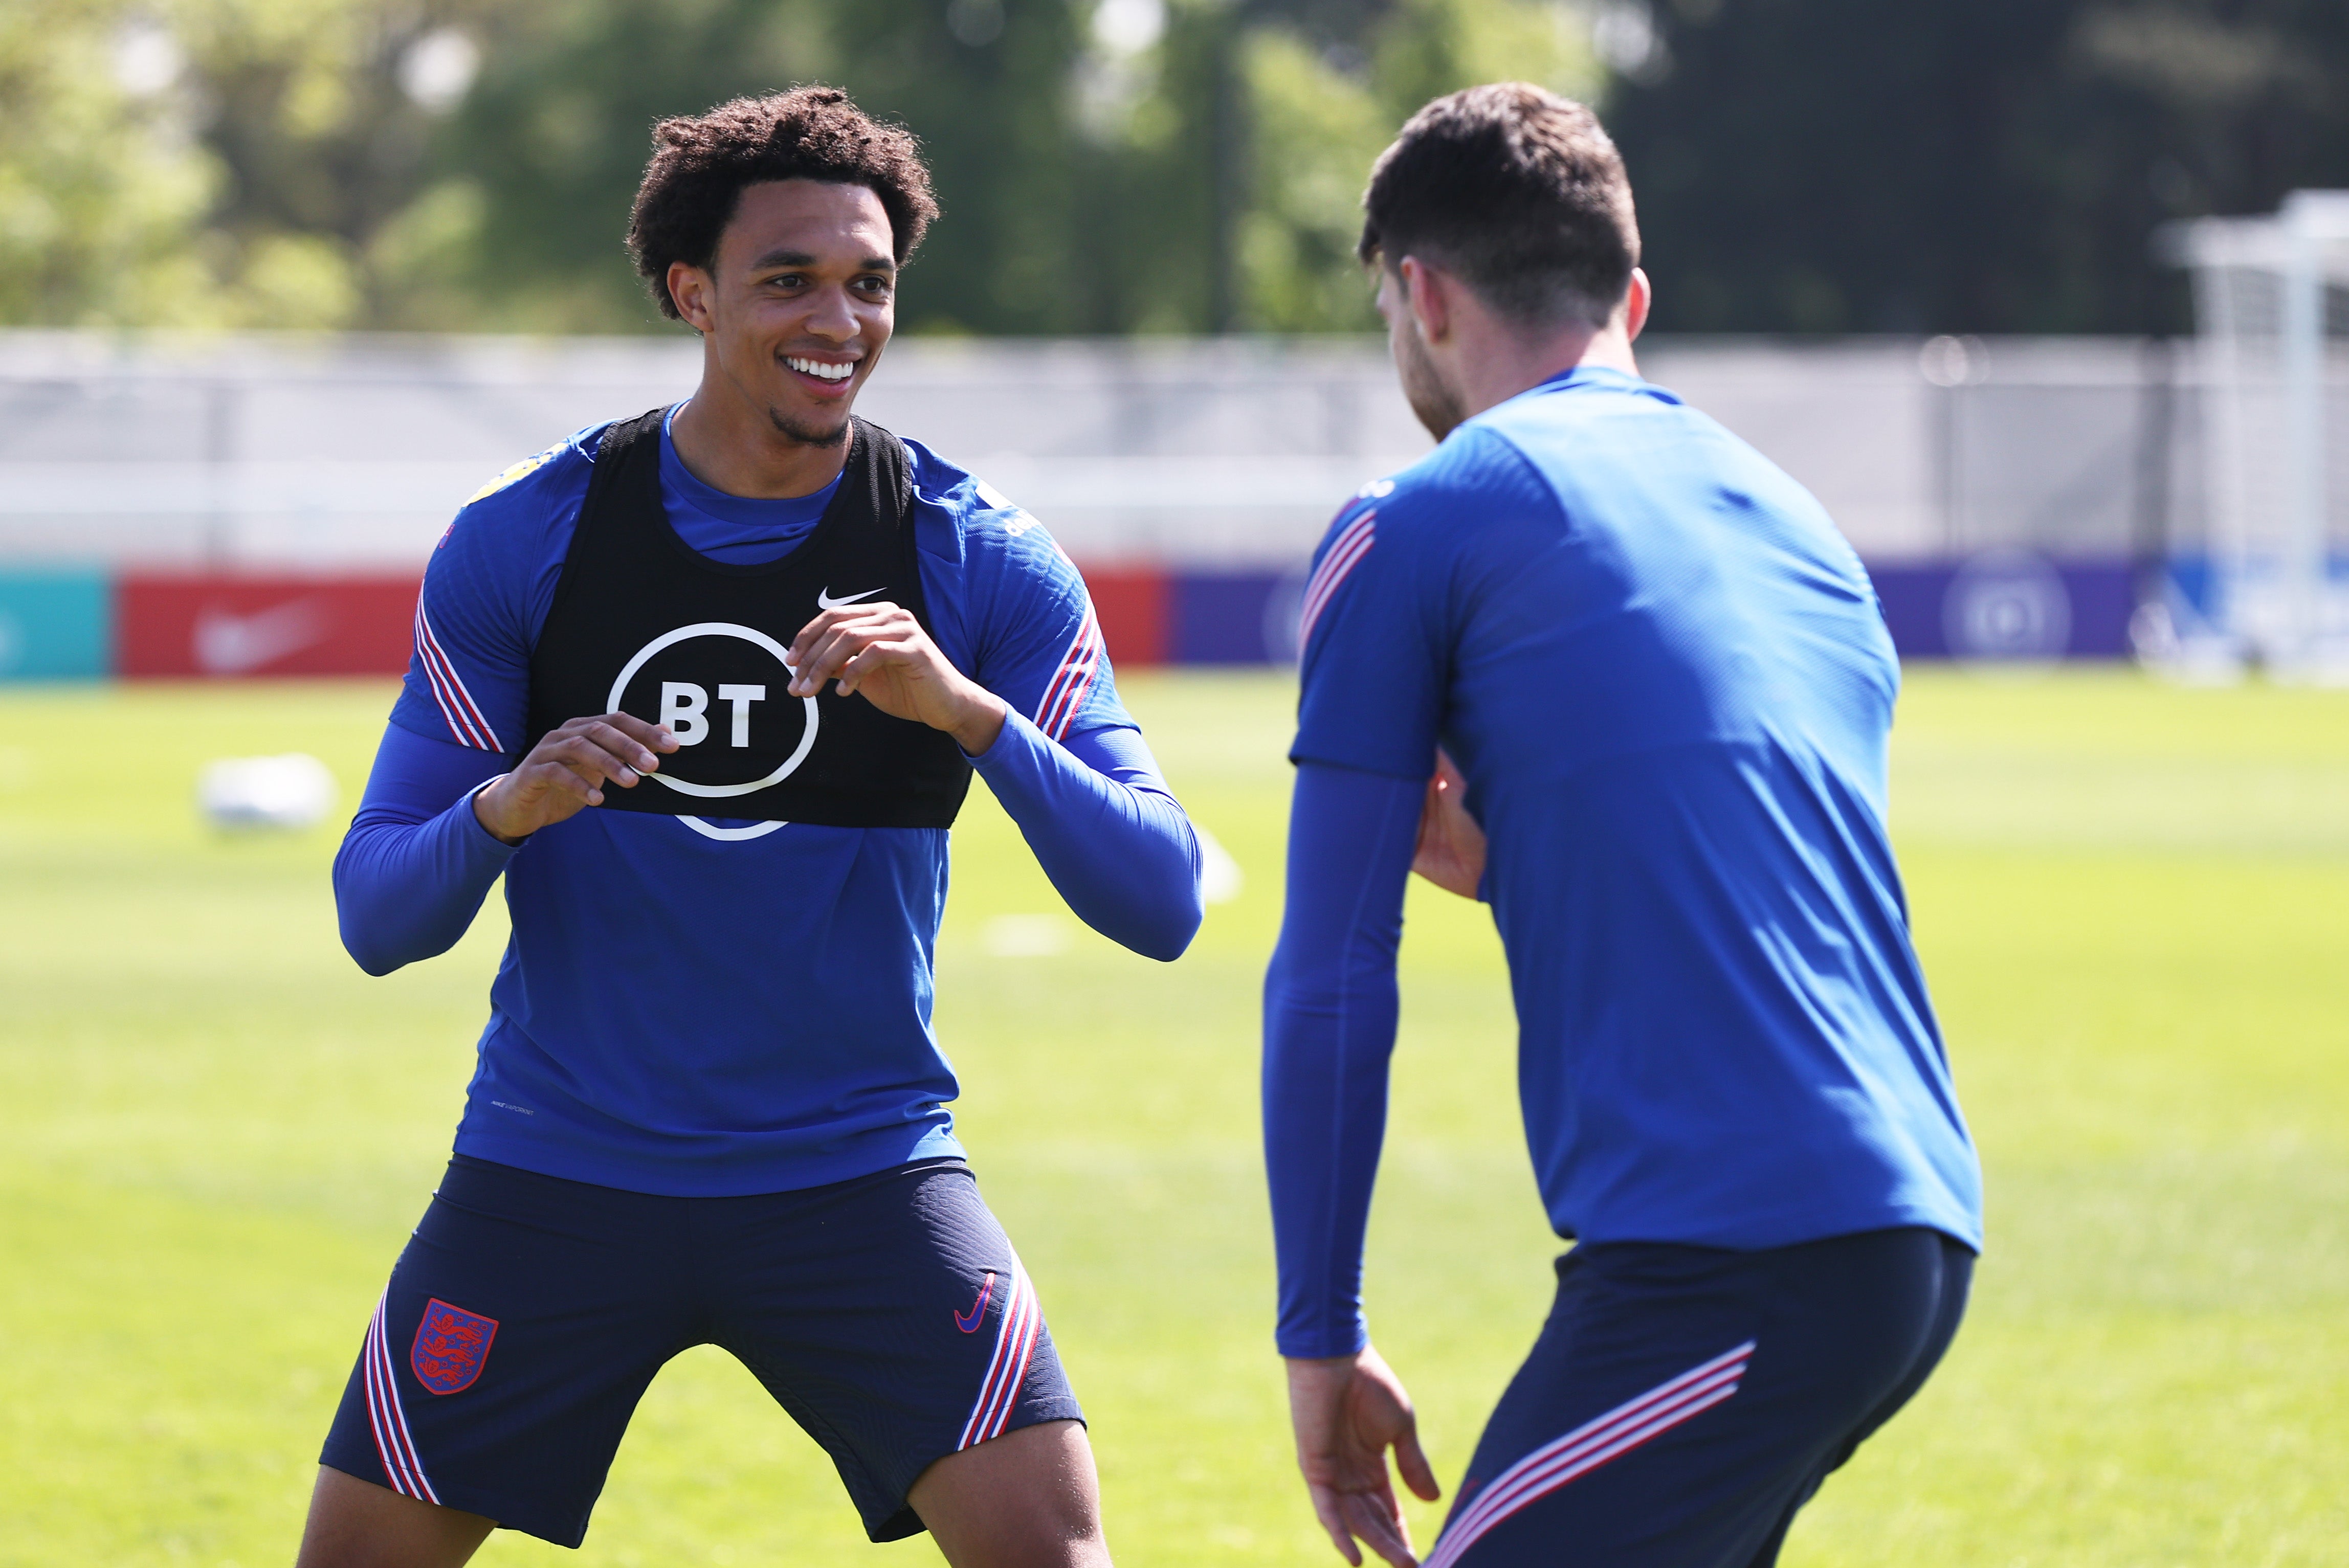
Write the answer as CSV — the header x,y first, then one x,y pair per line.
x,y
451,1344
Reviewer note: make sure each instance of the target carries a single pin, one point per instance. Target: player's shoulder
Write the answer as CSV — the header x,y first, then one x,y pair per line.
x,y
529,493
1018,599
962,517
1600,421
525,509
544,476
1602,432
1453,491
1588,406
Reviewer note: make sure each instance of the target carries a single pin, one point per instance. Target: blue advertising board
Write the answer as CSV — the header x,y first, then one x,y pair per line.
x,y
2008,605
1224,618
56,624
2001,605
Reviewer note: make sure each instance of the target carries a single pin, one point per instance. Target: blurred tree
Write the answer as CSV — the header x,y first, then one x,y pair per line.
x,y
216,162
319,114
1327,86
99,187
1112,166
1959,165
1230,196
545,156
1104,165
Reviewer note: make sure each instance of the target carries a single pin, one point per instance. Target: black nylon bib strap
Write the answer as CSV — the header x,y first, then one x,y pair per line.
x,y
641,623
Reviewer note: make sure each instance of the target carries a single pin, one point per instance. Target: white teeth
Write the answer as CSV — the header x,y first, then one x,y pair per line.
x,y
821,371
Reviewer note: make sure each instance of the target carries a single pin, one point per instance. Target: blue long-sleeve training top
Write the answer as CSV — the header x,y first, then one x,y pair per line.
x,y
701,1006
1667,682
1329,1009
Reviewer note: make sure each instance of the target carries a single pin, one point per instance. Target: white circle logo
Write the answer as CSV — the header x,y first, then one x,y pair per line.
x,y
2007,606
699,699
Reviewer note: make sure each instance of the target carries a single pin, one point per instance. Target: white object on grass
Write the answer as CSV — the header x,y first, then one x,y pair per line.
x,y
295,790
1220,877
1024,935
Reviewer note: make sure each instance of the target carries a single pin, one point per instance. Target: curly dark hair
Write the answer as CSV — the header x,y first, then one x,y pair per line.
x,y
701,163
1517,190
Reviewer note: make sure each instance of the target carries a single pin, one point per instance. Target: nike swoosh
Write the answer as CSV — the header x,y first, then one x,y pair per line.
x,y
233,645
969,1323
824,600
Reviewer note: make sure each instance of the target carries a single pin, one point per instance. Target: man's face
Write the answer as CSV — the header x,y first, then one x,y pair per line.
x,y
1438,406
800,301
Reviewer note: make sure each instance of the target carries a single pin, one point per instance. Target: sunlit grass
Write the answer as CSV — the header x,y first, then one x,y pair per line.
x,y
2134,905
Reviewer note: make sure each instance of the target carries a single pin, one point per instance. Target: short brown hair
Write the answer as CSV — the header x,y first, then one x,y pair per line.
x,y
701,163
1519,193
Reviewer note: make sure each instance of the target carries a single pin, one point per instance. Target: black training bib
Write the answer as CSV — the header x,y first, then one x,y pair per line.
x,y
643,624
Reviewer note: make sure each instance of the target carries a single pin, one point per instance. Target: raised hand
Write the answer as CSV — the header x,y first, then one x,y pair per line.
x,y
567,770
1347,1413
1451,851
878,649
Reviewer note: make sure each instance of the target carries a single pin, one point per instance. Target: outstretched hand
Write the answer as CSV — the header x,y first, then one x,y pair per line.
x,y
1451,851
880,649
1347,1413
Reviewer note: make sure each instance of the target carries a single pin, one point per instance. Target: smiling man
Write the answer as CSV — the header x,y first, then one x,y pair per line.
x,y
706,687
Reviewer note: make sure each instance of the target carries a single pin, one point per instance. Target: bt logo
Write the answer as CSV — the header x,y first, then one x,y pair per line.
x,y
685,708
672,680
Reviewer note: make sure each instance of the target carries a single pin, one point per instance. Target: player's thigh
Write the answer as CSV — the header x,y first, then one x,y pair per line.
x,y
1682,1402
892,1319
521,1325
354,1523
1029,1498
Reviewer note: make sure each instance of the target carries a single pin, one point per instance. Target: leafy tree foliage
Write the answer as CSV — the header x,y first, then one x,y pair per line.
x,y
547,149
1964,165
97,194
1327,87
1117,165
1122,166
1106,166
211,162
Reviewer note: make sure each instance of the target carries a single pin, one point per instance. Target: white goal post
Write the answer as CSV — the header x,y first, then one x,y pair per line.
x,y
2269,309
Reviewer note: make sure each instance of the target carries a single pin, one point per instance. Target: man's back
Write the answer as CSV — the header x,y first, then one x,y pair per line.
x,y
1667,682
1667,687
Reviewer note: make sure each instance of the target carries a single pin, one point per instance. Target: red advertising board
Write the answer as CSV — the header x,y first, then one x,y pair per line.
x,y
1132,605
224,627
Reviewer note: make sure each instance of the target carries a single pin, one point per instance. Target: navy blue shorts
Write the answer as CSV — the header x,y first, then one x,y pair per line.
x,y
1683,1402
888,1314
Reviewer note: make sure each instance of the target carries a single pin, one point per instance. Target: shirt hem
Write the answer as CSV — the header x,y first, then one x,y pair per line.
x,y
1307,1348
1768,1238
1300,756
686,1176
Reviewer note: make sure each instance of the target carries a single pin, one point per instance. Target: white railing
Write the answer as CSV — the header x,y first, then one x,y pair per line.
x,y
278,452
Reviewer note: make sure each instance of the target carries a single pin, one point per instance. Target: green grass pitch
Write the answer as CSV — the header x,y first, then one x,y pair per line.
x,y
2133,902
